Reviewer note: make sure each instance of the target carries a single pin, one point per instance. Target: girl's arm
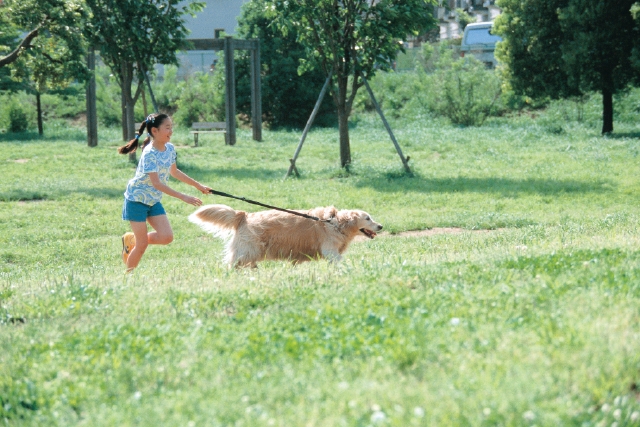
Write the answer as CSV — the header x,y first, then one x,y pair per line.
x,y
155,181
181,176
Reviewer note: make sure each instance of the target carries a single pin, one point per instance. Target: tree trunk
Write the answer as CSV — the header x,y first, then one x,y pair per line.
x,y
345,148
123,115
39,108
128,115
92,116
607,102
343,122
144,104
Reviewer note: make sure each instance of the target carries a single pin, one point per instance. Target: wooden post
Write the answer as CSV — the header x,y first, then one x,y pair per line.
x,y
292,167
39,109
256,98
92,116
405,161
230,91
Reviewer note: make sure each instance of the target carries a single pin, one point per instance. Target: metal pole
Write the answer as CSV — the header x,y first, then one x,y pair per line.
x,y
405,161
309,123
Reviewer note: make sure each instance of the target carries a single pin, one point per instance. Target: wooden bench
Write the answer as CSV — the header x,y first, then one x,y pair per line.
x,y
207,127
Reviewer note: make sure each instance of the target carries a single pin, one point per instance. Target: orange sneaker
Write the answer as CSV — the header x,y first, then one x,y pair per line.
x,y
128,243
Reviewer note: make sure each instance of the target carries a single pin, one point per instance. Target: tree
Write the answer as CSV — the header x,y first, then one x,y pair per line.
x,y
287,97
51,55
38,74
564,48
9,40
635,12
134,35
52,27
351,39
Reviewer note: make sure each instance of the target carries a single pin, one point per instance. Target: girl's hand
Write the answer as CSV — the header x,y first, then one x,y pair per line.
x,y
203,188
191,200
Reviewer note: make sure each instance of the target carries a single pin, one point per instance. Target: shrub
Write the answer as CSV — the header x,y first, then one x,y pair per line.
x,y
108,103
201,99
288,97
18,119
461,89
398,94
468,91
167,90
67,103
464,18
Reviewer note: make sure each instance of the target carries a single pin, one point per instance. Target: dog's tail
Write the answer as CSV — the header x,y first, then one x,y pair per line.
x,y
220,220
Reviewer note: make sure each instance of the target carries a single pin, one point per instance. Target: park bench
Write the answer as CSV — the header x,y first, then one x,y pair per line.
x,y
207,127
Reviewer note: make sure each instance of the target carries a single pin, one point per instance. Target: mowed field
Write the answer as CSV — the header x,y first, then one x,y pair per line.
x,y
520,306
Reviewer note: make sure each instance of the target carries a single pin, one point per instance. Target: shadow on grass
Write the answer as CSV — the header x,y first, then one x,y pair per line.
x,y
504,186
623,135
401,182
197,172
28,137
39,196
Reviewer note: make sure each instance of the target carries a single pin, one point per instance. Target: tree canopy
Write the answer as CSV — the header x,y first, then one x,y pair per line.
x,y
52,53
53,32
351,39
287,96
564,48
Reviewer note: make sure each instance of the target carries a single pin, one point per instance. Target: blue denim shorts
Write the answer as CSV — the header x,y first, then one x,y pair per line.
x,y
139,212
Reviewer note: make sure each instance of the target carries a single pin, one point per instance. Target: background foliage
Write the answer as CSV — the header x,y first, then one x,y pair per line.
x,y
289,92
565,48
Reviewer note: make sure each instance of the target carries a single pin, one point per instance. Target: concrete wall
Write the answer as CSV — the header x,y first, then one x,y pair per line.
x,y
217,15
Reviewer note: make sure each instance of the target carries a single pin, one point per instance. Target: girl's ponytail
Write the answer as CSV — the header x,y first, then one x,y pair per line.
x,y
152,121
132,145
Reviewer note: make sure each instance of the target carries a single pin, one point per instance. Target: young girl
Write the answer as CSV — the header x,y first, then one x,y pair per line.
x,y
145,189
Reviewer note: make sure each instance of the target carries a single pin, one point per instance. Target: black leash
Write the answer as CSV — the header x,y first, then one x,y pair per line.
x,y
220,193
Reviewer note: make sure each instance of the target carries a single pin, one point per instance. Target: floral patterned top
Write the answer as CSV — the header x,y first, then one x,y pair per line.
x,y
139,188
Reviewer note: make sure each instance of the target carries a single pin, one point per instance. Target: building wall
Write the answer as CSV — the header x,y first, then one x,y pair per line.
x,y
221,15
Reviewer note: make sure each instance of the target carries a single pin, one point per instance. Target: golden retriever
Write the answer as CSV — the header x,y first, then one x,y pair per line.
x,y
275,235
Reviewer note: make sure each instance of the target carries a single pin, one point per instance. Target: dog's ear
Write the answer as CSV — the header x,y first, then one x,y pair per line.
x,y
347,219
330,212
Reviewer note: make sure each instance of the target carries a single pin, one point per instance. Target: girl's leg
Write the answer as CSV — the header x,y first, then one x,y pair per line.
x,y
163,234
139,229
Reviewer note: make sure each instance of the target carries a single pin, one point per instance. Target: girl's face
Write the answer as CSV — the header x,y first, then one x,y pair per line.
x,y
163,132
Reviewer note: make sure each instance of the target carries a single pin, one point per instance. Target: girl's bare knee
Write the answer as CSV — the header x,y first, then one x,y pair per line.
x,y
165,239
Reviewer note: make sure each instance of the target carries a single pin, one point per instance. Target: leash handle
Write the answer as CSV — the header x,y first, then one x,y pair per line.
x,y
220,193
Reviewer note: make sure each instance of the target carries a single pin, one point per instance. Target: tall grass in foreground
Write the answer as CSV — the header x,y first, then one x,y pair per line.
x,y
527,316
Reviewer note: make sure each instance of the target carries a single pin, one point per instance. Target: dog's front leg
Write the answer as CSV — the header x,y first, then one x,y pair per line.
x,y
332,255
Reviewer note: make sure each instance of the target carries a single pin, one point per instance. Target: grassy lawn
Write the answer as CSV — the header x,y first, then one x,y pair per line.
x,y
530,315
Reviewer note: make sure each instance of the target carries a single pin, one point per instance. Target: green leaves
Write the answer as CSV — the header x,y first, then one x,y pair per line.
x,y
351,40
291,78
564,48
55,56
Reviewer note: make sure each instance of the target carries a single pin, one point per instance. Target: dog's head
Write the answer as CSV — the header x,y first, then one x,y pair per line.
x,y
355,220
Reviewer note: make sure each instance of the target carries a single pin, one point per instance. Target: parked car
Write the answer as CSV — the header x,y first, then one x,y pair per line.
x,y
478,41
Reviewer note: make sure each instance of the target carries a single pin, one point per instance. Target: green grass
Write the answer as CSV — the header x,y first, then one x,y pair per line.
x,y
530,316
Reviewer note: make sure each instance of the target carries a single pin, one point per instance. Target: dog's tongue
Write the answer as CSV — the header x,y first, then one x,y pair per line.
x,y
370,234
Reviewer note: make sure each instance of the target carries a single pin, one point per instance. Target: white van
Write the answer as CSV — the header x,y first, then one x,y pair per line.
x,y
478,41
